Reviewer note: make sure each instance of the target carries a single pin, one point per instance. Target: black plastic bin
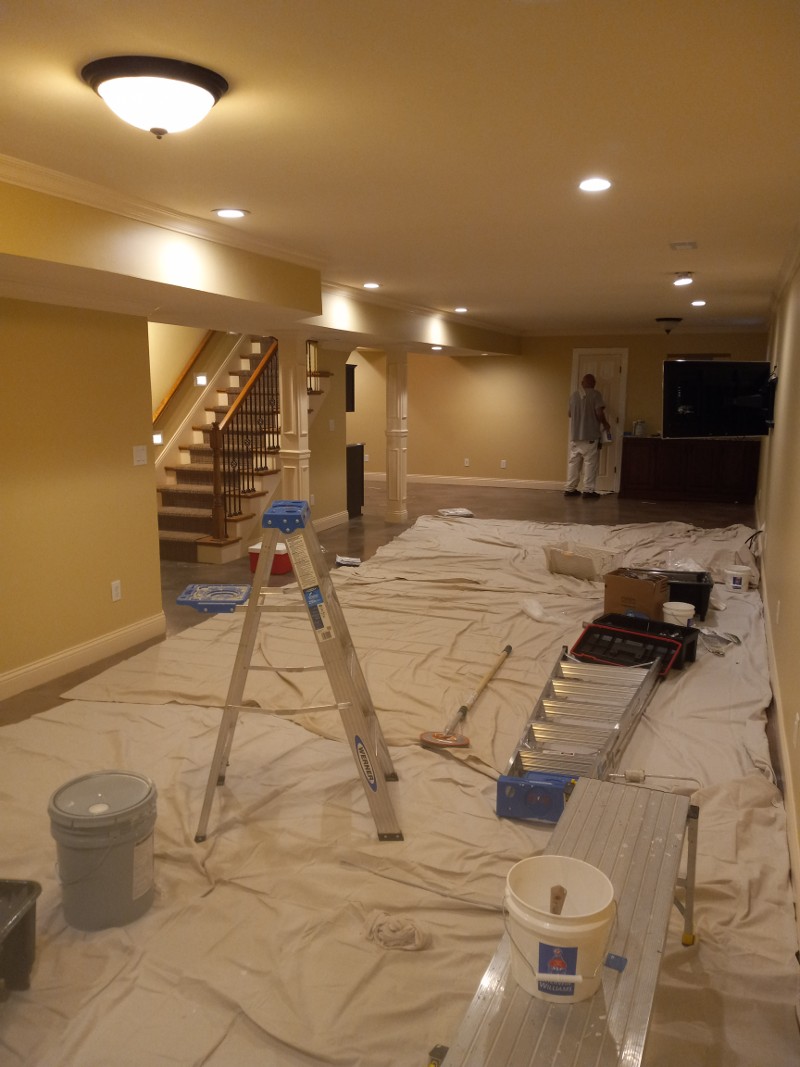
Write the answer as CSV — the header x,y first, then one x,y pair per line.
x,y
17,931
688,587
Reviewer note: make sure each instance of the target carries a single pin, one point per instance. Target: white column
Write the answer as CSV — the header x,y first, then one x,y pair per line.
x,y
396,435
295,453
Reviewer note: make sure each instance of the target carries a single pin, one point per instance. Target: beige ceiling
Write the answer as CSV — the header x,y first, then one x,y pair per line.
x,y
436,145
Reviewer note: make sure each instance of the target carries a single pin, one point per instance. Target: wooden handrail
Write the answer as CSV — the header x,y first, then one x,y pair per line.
x,y
184,374
242,397
241,440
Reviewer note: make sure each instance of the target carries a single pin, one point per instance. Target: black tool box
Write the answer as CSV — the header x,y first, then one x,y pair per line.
x,y
630,641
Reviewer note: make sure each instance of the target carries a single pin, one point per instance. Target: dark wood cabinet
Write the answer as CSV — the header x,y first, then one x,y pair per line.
x,y
355,480
692,468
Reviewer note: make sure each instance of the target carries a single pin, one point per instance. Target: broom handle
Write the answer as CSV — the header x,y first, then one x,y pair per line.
x,y
461,714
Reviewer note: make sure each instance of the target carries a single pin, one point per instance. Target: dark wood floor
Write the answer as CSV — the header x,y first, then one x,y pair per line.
x,y
361,537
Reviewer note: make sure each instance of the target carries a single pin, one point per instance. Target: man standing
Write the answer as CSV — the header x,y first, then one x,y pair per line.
x,y
587,415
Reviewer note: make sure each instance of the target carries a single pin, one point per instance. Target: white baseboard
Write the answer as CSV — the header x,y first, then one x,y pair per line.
x,y
329,521
79,656
784,751
498,483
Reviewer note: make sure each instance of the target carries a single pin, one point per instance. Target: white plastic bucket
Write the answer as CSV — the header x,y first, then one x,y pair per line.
x,y
546,949
678,613
103,827
737,579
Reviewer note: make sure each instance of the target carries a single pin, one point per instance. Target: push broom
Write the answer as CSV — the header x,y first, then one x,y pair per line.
x,y
448,738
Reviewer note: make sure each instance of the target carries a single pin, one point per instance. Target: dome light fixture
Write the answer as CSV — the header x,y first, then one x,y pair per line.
x,y
698,303
460,311
372,285
683,277
154,94
594,185
230,212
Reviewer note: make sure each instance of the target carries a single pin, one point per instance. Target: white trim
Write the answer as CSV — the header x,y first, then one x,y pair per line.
x,y
787,784
448,479
329,521
79,656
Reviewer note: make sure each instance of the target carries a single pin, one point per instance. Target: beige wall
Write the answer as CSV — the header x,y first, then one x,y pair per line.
x,y
487,409
77,514
171,348
779,511
367,424
327,439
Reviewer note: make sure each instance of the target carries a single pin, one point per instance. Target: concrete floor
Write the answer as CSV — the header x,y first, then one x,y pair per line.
x,y
362,536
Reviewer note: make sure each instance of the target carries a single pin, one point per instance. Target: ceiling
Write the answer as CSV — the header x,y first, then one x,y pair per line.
x,y
436,146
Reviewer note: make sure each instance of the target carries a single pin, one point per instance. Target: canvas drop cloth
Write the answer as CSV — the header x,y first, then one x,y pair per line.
x,y
292,936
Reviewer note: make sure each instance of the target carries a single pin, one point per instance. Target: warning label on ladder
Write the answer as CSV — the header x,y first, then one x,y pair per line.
x,y
319,613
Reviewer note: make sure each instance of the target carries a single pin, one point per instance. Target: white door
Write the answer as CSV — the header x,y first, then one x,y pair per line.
x,y
610,369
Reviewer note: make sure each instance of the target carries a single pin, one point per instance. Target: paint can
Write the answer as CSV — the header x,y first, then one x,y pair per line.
x,y
558,958
103,824
737,579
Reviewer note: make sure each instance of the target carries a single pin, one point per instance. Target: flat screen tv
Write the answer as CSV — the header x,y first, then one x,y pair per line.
x,y
715,398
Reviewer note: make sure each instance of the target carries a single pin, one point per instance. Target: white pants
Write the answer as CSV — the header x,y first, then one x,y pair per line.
x,y
586,455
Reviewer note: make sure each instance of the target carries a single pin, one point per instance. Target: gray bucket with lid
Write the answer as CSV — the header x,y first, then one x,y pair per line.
x,y
103,827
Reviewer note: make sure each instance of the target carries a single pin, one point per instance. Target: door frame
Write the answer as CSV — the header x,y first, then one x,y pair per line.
x,y
584,361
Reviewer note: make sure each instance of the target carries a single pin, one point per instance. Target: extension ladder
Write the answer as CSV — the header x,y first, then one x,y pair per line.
x,y
291,520
579,728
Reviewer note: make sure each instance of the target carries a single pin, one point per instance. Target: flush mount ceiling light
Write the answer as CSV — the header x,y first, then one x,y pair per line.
x,y
594,185
372,285
460,311
668,323
158,95
698,303
683,278
230,212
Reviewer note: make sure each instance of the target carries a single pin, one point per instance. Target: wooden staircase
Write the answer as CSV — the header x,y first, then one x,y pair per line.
x,y
186,496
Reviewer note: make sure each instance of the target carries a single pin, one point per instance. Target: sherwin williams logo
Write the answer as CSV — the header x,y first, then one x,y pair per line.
x,y
366,766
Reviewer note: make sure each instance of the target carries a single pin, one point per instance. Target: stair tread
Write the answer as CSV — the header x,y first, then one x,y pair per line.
x,y
190,488
203,467
188,513
180,535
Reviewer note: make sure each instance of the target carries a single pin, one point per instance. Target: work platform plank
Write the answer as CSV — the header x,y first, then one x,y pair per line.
x,y
635,836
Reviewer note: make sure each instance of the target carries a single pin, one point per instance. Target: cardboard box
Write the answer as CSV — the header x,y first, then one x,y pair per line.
x,y
580,561
627,590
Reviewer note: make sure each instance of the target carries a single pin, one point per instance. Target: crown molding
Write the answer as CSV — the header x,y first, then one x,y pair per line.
x,y
89,194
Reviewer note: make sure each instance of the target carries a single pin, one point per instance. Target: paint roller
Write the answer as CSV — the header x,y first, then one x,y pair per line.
x,y
448,738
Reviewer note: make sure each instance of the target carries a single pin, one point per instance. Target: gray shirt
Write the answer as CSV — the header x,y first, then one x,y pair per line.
x,y
584,406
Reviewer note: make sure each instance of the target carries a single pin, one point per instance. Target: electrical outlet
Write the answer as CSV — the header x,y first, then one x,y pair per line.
x,y
116,590
466,462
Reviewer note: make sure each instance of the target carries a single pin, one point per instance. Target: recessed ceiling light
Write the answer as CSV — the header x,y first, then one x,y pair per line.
x,y
230,212
460,311
372,285
683,278
595,185
698,303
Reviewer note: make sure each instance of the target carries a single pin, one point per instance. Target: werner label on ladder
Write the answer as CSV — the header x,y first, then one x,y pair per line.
x,y
292,520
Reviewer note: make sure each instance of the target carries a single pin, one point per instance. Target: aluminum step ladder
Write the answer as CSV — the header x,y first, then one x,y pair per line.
x,y
290,521
579,728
